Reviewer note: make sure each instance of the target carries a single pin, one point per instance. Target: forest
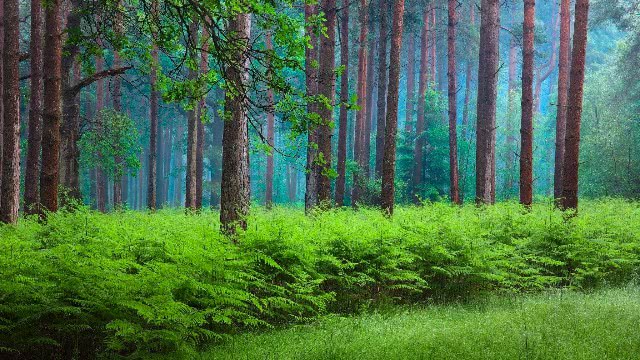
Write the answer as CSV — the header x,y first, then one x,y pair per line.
x,y
319,179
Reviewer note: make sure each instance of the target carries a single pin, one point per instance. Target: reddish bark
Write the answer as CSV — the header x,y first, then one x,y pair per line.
x,y
311,72
526,126
487,96
453,106
574,107
434,40
418,149
563,88
204,68
153,132
382,87
235,196
1,84
344,99
411,86
389,166
10,201
370,97
31,196
270,137
192,132
361,115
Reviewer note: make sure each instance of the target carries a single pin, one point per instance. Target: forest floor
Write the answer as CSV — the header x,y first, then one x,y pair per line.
x,y
558,325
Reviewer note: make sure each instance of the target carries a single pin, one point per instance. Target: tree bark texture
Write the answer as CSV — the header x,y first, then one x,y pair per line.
x,y
453,103
344,99
526,126
382,87
563,89
418,149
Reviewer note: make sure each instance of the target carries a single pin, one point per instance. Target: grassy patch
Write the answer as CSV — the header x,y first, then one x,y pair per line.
x,y
559,326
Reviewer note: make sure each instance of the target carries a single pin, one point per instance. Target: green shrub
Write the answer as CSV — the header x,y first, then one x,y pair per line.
x,y
138,285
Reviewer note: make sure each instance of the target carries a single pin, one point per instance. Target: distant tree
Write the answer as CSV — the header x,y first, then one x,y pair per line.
x,y
418,152
311,72
574,107
344,112
360,176
192,126
453,102
270,136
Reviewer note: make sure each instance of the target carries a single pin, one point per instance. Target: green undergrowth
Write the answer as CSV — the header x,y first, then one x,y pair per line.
x,y
138,285
556,326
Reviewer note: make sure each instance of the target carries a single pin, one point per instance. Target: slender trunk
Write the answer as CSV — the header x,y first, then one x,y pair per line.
x,y
453,106
216,128
31,197
526,127
178,166
234,205
270,137
344,99
563,88
326,88
411,86
2,50
434,39
204,68
292,179
370,97
10,197
311,72
389,166
101,178
466,131
574,107
511,108
117,106
382,87
361,116
166,167
152,182
418,150
487,96
192,132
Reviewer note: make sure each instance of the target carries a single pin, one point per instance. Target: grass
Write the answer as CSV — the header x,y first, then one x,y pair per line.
x,y
558,325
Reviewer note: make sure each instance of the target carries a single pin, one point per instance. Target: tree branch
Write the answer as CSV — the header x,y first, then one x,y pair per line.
x,y
95,77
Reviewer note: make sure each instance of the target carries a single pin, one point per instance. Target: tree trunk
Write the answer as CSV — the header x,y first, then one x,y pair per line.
x,y
344,99
270,137
204,68
411,86
178,166
467,100
434,40
563,88
311,72
292,180
2,50
10,202
166,167
370,97
152,182
389,166
326,88
234,206
216,128
574,107
382,87
192,132
526,127
453,105
418,150
117,106
101,178
361,116
31,196
511,108
487,96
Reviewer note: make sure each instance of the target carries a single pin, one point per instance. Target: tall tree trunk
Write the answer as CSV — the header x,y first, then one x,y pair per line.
x,y
152,183
326,88
270,137
360,176
549,67
234,205
311,72
216,128
382,87
31,196
166,167
10,198
453,104
178,166
433,47
487,96
574,107
563,88
418,150
292,180
511,108
370,97
526,127
467,100
204,68
389,166
344,99
117,106
101,178
192,132
2,50
411,86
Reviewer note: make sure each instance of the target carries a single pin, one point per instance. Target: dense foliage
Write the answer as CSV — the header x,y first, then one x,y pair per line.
x,y
134,285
